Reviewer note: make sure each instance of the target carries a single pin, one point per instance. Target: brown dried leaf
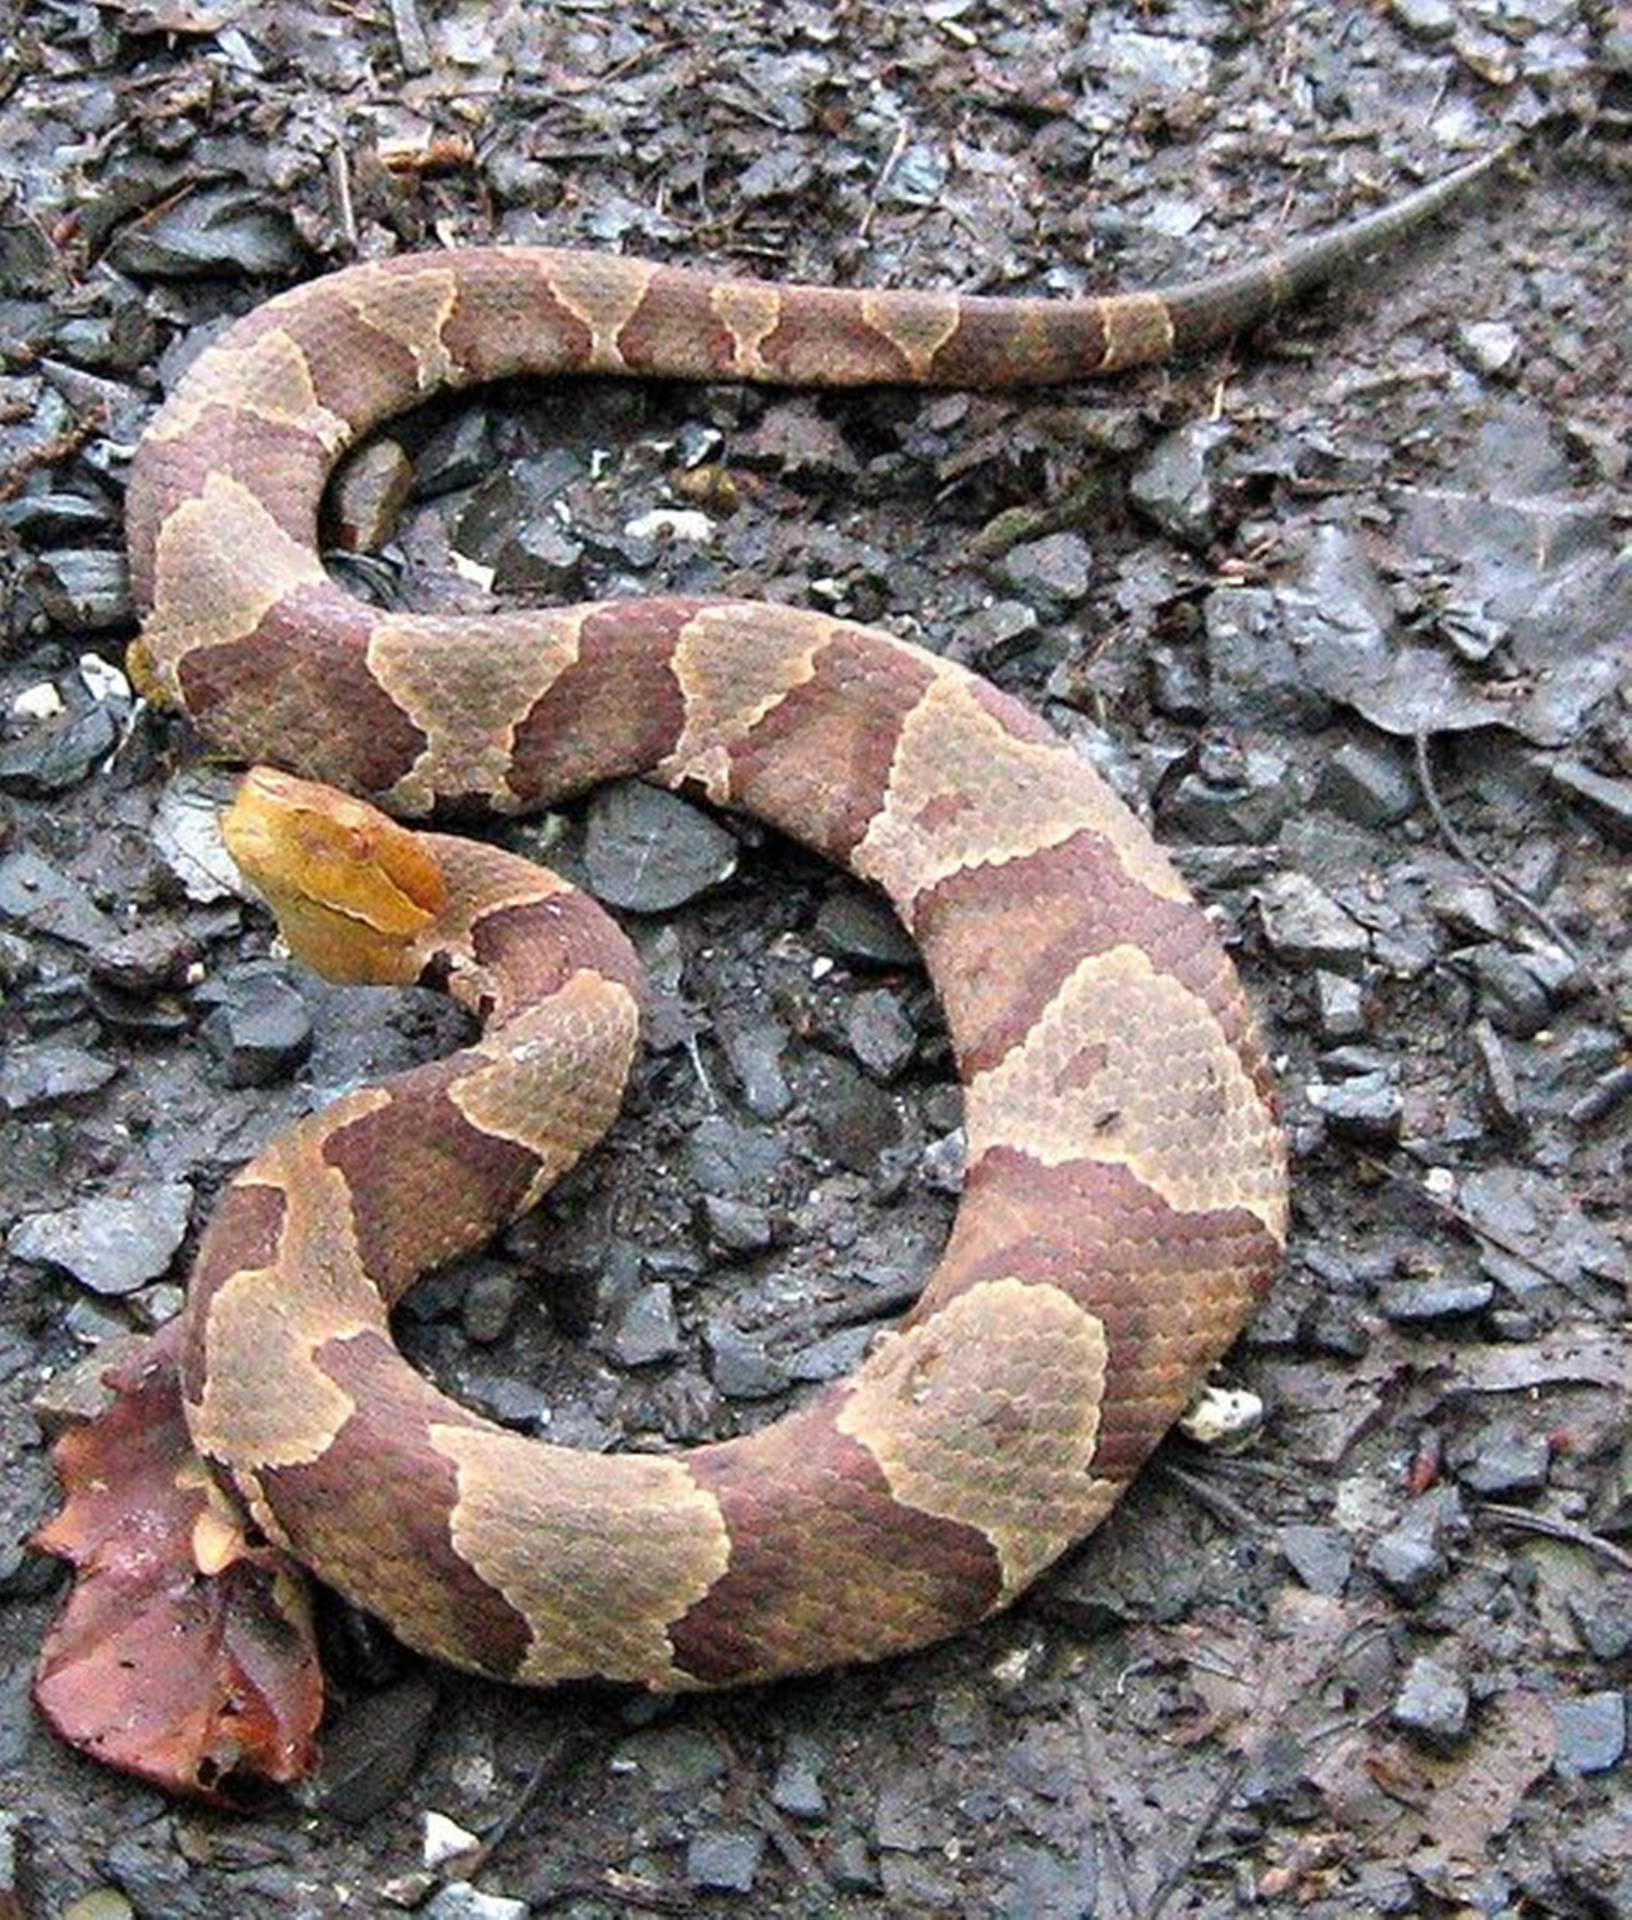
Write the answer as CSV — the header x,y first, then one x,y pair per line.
x,y
1438,1814
184,1653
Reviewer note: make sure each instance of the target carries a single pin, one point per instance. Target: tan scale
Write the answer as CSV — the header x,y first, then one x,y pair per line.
x,y
269,380
946,812
412,310
469,749
917,325
734,665
222,563
603,294
265,1402
1127,1067
1138,330
529,1519
750,314
553,1080
988,1414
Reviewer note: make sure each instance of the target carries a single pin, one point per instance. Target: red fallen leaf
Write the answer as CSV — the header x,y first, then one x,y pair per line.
x,y
184,1653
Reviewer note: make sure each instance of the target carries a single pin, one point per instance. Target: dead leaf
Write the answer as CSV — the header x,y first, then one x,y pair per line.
x,y
200,1681
1438,1813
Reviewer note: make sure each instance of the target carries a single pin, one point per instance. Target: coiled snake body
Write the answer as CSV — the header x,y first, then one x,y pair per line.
x,y
1125,1194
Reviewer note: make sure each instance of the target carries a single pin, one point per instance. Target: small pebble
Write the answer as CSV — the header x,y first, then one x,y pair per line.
x,y
1432,1703
260,1032
1321,1557
111,1243
1590,1732
459,1900
726,1861
1507,1464
1416,1302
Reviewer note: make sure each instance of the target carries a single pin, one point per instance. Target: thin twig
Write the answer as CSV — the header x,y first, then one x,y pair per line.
x,y
1449,1209
1505,887
1522,1520
1178,1874
893,160
565,1751
1104,1824
1218,1503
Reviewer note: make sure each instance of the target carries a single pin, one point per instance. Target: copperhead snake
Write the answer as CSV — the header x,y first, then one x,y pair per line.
x,y
1125,1198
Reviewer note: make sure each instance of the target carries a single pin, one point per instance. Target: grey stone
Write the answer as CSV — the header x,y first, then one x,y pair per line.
x,y
1333,1325
740,1366
1490,347
833,1355
855,1118
725,1861
1178,688
645,1329
489,1304
754,1044
261,1030
1432,1703
1321,1557
83,588
675,1760
944,1161
459,453
1173,484
1506,1463
60,752
112,1244
371,1749
1053,574
1606,1623
511,1402
1254,673
541,557
45,900
736,1226
1367,1107
860,926
1367,782
1418,1302
723,1156
226,228
1608,800
997,633
797,1787
1465,905
42,1074
459,1900
909,1815
1306,926
1498,1083
1339,1006
1236,795
649,852
1408,1559
1516,992
156,954
1590,1732
1041,1885
1427,19
851,1866
879,1033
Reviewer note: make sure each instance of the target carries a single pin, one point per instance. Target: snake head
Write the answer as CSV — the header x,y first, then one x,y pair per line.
x,y
352,890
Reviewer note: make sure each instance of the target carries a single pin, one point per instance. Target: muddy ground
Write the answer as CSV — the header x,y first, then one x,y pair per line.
x,y
1344,610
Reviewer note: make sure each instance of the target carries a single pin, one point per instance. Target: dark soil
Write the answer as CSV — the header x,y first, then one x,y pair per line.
x,y
1345,610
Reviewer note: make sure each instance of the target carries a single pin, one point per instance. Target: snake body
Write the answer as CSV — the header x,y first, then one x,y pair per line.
x,y
1125,1198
